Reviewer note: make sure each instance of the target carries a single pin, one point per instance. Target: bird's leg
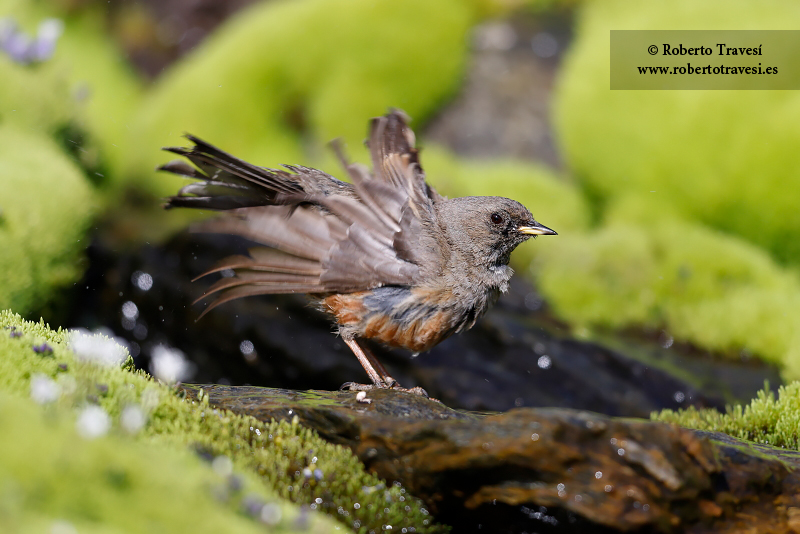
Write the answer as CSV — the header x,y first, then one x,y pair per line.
x,y
366,362
376,371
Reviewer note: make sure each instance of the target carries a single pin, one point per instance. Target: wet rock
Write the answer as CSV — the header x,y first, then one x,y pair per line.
x,y
515,356
546,470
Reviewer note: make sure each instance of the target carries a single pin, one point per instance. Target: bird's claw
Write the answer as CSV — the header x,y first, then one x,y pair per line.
x,y
393,385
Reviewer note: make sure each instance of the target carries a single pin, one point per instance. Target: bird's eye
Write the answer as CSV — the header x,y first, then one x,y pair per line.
x,y
496,218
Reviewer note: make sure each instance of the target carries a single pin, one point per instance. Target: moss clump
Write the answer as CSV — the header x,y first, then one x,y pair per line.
x,y
703,286
281,454
47,205
36,99
767,419
51,475
721,157
281,74
690,192
59,121
87,82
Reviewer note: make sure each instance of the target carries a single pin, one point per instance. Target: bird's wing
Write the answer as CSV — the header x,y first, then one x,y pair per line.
x,y
317,234
396,190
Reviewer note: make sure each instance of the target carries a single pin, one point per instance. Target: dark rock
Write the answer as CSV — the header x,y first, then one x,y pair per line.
x,y
546,470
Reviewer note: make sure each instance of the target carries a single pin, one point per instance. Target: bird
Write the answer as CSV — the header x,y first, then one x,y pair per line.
x,y
384,255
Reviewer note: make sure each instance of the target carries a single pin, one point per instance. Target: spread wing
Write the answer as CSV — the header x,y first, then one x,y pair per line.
x,y
316,234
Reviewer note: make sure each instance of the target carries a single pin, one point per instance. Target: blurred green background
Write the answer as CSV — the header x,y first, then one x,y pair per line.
x,y
676,210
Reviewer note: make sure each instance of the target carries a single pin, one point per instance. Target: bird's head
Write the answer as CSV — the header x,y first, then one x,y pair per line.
x,y
489,228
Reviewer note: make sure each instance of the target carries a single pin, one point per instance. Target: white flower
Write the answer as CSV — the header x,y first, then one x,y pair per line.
x,y
97,348
223,466
271,514
132,419
93,422
169,365
44,389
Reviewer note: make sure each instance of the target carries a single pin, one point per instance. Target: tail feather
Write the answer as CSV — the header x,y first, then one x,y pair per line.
x,y
253,290
261,279
267,259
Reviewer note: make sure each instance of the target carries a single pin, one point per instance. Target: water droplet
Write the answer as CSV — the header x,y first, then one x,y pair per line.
x,y
132,419
142,280
130,310
93,422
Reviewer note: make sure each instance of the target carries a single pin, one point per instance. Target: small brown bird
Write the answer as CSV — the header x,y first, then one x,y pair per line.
x,y
387,256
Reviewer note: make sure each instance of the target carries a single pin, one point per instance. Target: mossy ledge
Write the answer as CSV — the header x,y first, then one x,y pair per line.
x,y
285,459
768,419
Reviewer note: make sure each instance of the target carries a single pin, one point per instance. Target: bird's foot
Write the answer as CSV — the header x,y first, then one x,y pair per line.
x,y
389,384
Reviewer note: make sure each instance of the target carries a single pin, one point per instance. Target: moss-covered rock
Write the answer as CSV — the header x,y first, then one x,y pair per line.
x,y
689,188
722,157
47,206
703,286
62,125
50,476
767,419
291,461
279,75
36,99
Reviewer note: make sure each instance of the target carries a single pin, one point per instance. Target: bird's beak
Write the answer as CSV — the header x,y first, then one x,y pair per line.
x,y
536,229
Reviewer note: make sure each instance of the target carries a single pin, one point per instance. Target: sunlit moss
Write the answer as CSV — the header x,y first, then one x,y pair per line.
x,y
690,189
37,99
47,205
703,286
723,157
59,122
281,454
49,475
767,419
87,81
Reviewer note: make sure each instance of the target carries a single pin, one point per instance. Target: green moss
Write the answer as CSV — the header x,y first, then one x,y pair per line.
x,y
37,99
109,92
62,129
276,452
46,206
281,75
86,92
703,286
767,419
722,157
690,188
48,473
